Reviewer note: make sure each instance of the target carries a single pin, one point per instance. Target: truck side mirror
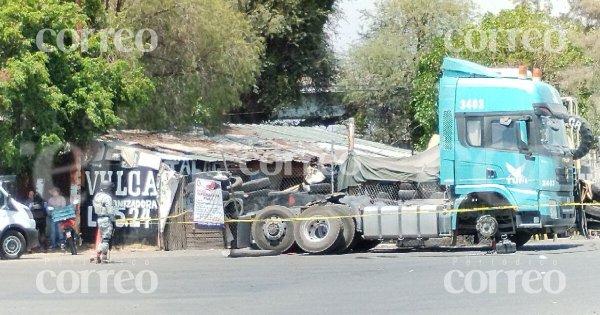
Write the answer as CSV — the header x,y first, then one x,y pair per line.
x,y
522,132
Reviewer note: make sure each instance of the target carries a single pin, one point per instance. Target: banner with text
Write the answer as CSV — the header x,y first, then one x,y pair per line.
x,y
208,204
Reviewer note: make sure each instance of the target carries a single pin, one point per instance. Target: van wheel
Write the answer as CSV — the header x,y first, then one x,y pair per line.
x,y
12,245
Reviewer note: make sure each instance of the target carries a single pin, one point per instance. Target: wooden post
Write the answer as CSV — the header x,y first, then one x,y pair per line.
x,y
351,128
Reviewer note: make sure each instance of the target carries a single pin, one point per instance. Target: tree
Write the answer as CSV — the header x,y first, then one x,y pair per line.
x,y
379,73
207,56
583,78
54,96
521,36
297,55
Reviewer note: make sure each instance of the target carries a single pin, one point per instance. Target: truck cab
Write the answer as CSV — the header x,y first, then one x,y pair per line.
x,y
17,227
504,149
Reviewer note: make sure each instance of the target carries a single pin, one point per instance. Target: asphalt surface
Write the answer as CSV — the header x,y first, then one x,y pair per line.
x,y
563,278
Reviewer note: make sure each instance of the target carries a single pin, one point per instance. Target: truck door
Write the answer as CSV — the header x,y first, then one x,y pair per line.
x,y
470,152
509,159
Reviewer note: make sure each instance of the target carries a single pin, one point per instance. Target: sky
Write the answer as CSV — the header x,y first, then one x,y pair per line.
x,y
351,24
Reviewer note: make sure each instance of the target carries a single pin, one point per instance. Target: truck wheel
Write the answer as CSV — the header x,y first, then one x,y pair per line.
x,y
275,234
256,184
362,245
520,238
348,226
318,233
12,245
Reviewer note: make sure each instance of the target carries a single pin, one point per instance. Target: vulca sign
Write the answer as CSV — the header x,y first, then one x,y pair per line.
x,y
135,195
530,281
71,282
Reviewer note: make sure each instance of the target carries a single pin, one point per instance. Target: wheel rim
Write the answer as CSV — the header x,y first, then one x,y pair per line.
x,y
316,230
274,229
12,245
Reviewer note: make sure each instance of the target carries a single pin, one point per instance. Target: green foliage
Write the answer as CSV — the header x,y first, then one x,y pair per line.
x,y
512,30
582,79
389,76
425,93
56,97
207,56
296,51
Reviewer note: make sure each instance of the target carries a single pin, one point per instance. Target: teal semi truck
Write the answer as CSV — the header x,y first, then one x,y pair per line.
x,y
504,168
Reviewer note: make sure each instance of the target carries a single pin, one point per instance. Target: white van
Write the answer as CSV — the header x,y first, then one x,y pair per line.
x,y
17,227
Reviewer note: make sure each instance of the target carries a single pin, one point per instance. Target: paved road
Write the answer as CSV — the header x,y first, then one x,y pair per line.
x,y
380,282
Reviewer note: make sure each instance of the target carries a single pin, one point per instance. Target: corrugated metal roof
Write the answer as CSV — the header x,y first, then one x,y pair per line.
x,y
242,143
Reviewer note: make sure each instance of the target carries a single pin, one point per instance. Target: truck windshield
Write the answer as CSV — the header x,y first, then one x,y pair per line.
x,y
553,133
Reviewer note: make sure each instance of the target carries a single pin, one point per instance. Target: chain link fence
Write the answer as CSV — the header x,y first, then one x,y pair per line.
x,y
398,191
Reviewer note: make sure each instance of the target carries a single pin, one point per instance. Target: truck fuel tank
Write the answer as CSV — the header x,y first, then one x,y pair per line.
x,y
427,218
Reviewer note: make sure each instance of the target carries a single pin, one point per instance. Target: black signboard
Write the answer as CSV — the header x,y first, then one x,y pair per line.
x,y
135,192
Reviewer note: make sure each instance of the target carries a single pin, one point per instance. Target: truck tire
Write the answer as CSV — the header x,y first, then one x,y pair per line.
x,y
12,245
348,226
236,183
406,194
256,184
322,233
225,194
520,238
362,245
585,132
321,188
595,192
275,235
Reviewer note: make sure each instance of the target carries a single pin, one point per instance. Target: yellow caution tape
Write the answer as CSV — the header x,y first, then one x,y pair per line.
x,y
406,211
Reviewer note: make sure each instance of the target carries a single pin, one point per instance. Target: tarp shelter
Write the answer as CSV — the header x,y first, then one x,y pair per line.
x,y
422,167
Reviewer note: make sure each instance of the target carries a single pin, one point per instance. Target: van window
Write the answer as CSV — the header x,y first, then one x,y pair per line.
x,y
503,136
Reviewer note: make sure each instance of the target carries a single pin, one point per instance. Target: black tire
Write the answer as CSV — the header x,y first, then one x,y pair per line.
x,y
362,245
407,194
12,245
596,192
236,183
256,184
586,135
283,237
348,225
322,188
225,195
520,238
319,236
71,244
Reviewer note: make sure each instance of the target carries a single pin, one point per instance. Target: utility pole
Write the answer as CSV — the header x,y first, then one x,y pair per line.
x,y
351,128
